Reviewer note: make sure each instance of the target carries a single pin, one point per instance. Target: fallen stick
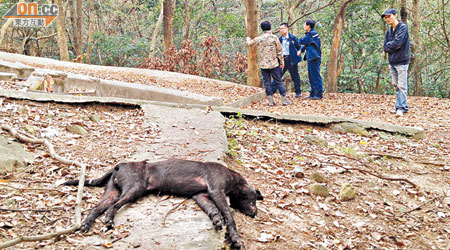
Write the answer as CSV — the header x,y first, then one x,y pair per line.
x,y
54,155
365,171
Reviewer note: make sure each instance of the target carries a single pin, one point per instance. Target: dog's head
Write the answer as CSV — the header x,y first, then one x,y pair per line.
x,y
244,199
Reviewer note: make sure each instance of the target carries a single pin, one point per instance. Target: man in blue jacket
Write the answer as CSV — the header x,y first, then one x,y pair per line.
x,y
396,44
291,45
311,44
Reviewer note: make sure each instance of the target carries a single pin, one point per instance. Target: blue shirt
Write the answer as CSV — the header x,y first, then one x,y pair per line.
x,y
285,45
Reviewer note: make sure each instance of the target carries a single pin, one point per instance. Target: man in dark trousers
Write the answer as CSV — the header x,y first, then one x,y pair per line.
x,y
311,44
270,60
290,45
396,44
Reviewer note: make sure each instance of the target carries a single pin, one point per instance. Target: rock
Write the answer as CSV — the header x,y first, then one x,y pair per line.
x,y
385,136
316,141
318,177
85,118
12,156
349,127
94,118
318,189
299,172
30,129
347,192
77,129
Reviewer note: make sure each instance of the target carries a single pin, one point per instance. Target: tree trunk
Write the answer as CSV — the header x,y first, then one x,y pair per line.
x,y
416,48
91,31
292,16
61,30
3,30
403,11
79,34
333,61
187,19
168,8
252,32
151,53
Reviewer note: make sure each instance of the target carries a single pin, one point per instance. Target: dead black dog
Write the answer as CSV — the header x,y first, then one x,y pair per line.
x,y
208,183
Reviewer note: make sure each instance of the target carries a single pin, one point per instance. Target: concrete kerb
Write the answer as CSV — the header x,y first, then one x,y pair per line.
x,y
415,132
21,70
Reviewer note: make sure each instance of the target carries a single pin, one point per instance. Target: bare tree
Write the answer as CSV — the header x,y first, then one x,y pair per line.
x,y
416,48
168,10
61,30
91,31
151,53
252,32
333,61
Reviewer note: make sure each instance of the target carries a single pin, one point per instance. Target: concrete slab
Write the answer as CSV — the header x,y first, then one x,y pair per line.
x,y
185,134
7,76
21,70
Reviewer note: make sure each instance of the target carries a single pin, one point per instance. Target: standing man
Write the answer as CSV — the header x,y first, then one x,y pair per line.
x,y
396,44
311,43
270,60
291,45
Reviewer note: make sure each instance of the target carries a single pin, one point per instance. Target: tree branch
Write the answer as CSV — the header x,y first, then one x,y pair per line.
x,y
78,201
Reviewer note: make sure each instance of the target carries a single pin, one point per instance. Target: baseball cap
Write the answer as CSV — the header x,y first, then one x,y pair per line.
x,y
389,11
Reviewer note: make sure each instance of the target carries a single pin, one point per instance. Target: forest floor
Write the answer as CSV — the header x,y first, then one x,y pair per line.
x,y
386,214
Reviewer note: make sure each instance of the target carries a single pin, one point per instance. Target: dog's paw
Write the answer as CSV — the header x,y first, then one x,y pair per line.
x,y
85,227
218,223
109,224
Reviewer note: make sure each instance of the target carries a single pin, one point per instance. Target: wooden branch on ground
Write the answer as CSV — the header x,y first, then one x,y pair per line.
x,y
417,208
34,189
54,155
364,171
31,210
407,159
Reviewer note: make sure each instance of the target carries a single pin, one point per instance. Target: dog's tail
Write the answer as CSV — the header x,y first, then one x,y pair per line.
x,y
99,182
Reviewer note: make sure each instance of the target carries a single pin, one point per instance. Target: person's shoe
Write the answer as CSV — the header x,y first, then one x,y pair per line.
x,y
399,113
271,103
286,101
316,98
298,95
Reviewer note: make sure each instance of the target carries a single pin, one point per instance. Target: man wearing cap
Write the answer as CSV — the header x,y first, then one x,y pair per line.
x,y
290,45
270,60
396,44
311,44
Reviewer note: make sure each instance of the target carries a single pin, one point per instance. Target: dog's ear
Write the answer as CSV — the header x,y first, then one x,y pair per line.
x,y
259,195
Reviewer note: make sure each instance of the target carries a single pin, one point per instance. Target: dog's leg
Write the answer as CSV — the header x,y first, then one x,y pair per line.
x,y
220,200
109,197
129,194
210,209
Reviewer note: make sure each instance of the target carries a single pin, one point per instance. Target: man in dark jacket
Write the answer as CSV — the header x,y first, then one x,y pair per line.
x,y
396,44
290,45
311,44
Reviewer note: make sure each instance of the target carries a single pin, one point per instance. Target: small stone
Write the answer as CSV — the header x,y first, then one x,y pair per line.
x,y
299,172
85,118
316,141
384,136
347,192
317,177
318,189
77,129
94,118
30,130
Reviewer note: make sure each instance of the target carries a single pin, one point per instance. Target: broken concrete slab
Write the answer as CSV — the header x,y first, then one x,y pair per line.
x,y
13,156
185,134
249,100
7,76
21,70
415,132
36,80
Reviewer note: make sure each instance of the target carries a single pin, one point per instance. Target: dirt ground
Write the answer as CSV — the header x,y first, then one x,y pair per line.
x,y
386,214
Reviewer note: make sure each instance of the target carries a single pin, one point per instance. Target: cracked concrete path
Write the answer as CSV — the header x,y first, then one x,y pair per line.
x,y
186,134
